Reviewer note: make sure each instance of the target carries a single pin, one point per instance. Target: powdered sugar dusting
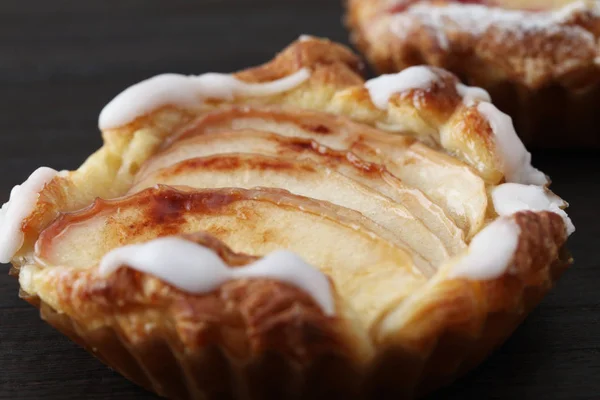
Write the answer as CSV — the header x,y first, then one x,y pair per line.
x,y
444,19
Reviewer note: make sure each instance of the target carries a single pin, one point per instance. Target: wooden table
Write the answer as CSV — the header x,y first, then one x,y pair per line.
x,y
61,61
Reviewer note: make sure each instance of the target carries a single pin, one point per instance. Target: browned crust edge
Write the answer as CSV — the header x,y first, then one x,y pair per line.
x,y
161,362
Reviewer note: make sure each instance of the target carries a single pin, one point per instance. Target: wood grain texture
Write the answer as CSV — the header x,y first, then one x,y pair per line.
x,y
61,61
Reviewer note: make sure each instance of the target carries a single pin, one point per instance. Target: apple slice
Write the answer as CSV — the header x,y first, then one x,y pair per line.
x,y
448,182
373,176
304,178
368,270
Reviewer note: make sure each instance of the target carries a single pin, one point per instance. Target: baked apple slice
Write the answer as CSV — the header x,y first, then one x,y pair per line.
x,y
446,181
254,222
304,178
370,175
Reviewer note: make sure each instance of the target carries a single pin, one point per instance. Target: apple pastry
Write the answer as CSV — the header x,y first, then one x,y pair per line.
x,y
539,59
264,234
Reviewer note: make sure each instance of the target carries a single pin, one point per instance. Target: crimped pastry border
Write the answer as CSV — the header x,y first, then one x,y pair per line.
x,y
210,372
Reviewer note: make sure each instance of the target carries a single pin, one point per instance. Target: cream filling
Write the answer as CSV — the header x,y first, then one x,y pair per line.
x,y
197,269
23,199
184,91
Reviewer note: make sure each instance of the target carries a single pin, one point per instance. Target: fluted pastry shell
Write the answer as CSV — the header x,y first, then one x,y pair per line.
x,y
310,170
538,59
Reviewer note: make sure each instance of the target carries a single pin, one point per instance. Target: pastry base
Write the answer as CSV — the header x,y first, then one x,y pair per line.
x,y
161,364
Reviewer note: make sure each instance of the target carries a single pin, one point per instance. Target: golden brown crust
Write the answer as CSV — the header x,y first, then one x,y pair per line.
x,y
236,334
329,61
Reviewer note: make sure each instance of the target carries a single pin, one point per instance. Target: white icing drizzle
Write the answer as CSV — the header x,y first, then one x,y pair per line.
x,y
477,19
383,87
514,156
305,38
183,91
515,159
511,198
471,94
23,199
197,269
490,251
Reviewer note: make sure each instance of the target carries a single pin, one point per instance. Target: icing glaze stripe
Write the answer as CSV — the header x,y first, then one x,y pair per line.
x,y
23,199
382,88
511,198
514,156
197,269
182,90
490,251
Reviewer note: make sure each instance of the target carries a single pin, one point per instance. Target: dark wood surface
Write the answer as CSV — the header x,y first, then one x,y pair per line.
x,y
61,61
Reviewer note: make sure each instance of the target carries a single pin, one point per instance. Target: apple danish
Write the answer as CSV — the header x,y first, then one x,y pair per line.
x,y
265,234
